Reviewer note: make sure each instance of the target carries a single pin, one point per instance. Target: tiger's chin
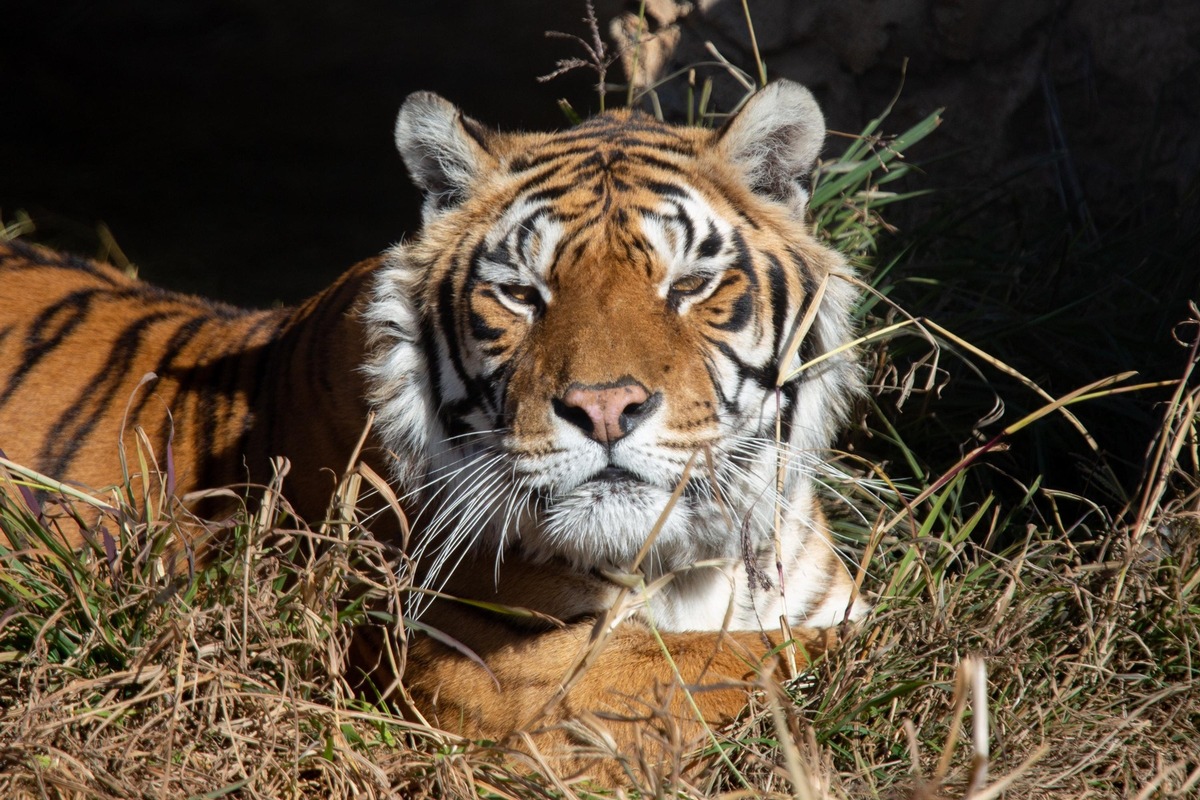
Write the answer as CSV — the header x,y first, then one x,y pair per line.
x,y
605,522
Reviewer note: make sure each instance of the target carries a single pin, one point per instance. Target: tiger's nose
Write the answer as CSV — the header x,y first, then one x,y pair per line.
x,y
606,412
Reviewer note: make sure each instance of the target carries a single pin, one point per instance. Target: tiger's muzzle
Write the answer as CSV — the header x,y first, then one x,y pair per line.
x,y
606,412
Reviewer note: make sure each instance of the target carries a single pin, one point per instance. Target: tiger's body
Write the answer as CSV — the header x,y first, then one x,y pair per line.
x,y
77,339
576,367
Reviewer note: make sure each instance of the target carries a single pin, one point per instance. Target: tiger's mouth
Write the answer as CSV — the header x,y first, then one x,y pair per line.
x,y
613,487
619,479
610,483
609,518
614,474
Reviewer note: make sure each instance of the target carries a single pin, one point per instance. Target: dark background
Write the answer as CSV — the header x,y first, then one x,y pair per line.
x,y
244,149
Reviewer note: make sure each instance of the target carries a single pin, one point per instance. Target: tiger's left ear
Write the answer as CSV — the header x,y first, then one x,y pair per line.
x,y
775,140
443,149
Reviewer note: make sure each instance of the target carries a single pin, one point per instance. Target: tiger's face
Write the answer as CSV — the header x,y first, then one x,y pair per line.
x,y
591,338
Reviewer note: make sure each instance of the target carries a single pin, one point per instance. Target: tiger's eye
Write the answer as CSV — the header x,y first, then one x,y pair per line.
x,y
521,293
689,285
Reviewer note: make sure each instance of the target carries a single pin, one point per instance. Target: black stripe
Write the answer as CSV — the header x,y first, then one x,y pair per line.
x,y
74,424
641,211
623,132
481,330
763,375
808,348
254,365
655,161
286,346
739,316
44,337
727,403
583,174
787,416
535,179
529,161
712,244
450,334
689,228
577,237
493,350
453,416
777,285
525,229
744,261
181,338
549,193
28,256
728,279
631,250
594,163
433,362
475,323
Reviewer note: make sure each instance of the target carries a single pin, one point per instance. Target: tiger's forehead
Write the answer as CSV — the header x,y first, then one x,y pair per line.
x,y
604,163
660,230
615,139
620,185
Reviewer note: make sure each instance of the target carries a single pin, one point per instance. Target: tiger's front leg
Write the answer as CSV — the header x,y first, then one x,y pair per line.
x,y
586,703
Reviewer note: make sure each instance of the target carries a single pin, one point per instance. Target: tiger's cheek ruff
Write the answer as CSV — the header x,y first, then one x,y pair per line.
x,y
399,374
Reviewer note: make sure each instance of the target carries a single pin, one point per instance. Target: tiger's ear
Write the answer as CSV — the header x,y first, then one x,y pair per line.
x,y
775,140
443,149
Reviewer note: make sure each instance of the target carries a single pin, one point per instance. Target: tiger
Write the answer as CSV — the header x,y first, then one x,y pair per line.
x,y
602,376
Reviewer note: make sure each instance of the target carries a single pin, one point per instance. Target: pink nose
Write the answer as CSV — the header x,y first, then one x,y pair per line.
x,y
606,412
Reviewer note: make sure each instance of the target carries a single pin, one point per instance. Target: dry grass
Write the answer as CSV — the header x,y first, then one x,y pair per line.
x,y
1063,665
119,681
1028,642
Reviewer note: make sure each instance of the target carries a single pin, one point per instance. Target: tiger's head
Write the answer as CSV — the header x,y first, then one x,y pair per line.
x,y
591,320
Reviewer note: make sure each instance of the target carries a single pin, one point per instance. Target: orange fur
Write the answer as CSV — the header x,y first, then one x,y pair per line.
x,y
77,338
74,385
589,697
236,388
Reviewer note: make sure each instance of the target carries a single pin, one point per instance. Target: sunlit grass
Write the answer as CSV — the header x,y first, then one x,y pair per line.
x,y
1026,636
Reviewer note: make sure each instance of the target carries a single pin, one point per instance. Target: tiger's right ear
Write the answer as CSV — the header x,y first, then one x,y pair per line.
x,y
774,140
443,150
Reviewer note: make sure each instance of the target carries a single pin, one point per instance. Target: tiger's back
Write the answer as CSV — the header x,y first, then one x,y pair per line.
x,y
87,353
